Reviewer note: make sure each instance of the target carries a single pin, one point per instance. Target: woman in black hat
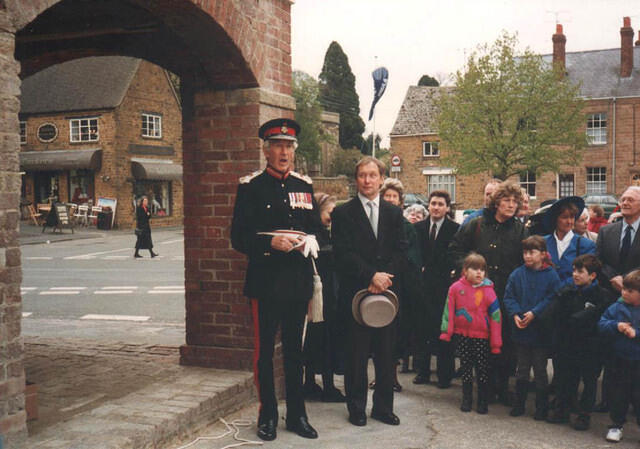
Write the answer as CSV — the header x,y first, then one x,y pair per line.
x,y
143,229
563,244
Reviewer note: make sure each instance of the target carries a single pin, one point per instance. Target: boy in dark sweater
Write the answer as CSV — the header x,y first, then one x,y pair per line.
x,y
573,316
621,322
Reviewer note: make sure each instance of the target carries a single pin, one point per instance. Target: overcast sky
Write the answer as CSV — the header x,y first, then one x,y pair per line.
x,y
415,37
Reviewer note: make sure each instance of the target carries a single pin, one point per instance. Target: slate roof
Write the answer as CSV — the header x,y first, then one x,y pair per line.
x,y
597,70
78,85
418,111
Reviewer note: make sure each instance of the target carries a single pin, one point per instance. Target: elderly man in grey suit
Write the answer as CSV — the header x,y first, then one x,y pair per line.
x,y
618,244
618,247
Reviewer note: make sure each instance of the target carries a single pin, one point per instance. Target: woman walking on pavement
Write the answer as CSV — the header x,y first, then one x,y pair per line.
x,y
143,229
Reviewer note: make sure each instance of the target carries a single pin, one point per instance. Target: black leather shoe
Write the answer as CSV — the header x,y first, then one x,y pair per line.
x,y
387,418
397,387
267,430
137,255
302,427
421,379
153,254
358,419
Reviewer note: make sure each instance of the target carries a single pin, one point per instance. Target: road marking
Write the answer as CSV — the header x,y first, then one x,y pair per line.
x,y
92,316
60,292
171,241
168,287
84,256
160,292
28,288
68,288
112,292
127,287
26,314
38,258
115,257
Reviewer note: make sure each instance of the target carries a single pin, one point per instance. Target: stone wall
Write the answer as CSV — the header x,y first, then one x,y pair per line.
x,y
13,430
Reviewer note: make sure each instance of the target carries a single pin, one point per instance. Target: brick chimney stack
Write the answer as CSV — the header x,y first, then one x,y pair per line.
x,y
626,48
559,41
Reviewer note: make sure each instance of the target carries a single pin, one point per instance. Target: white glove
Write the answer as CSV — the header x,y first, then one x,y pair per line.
x,y
310,246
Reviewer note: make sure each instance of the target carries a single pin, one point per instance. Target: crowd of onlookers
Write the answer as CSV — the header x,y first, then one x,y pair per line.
x,y
505,291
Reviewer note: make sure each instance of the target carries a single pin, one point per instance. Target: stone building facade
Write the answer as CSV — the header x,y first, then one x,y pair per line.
x,y
234,62
134,149
612,122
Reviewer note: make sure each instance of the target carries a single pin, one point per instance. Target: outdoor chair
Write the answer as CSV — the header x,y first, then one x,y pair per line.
x,y
35,216
81,215
93,216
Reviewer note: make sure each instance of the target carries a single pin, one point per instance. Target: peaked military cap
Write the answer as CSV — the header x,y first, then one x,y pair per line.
x,y
280,128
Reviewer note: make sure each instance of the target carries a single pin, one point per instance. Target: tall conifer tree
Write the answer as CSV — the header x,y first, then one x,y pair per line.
x,y
338,94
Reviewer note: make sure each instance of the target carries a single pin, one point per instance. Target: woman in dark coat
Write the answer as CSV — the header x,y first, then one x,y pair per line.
x,y
497,235
143,229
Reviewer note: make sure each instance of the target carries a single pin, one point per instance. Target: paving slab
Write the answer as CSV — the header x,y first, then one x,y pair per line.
x,y
116,395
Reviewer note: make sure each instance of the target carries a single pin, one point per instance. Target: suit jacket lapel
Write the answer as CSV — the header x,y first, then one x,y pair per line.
x,y
616,233
361,217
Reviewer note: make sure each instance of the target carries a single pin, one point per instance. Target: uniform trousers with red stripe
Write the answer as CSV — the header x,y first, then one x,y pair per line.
x,y
269,313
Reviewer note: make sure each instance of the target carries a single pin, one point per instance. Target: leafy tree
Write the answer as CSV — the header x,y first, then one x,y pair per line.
x,y
508,114
366,148
426,80
345,161
309,115
338,94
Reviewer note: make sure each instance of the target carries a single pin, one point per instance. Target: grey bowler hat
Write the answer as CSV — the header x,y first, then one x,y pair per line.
x,y
374,310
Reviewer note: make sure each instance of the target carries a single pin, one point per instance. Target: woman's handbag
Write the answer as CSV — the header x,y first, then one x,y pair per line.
x,y
315,305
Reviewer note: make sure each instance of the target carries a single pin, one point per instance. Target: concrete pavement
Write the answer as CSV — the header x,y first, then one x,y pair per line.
x,y
430,418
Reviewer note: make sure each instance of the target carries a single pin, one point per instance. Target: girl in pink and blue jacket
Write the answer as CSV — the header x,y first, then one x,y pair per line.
x,y
473,313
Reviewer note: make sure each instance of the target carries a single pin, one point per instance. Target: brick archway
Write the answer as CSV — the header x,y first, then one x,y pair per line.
x,y
235,66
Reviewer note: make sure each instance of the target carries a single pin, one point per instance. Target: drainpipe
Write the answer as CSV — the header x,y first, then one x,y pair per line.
x,y
613,150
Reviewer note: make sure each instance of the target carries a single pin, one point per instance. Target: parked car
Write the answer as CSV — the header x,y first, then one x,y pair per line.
x,y
413,198
607,201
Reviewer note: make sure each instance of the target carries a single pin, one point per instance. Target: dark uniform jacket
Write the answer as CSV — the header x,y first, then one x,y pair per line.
x,y
608,251
358,254
263,204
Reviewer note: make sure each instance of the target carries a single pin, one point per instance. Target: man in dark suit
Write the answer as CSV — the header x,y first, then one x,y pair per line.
x,y
618,244
434,235
370,247
279,278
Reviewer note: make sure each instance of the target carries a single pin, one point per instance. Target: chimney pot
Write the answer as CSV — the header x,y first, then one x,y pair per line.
x,y
558,28
626,48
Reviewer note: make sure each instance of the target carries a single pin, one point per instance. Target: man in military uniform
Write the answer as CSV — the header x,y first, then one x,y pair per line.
x,y
279,279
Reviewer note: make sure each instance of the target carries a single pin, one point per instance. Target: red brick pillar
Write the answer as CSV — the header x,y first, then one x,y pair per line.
x,y
221,144
13,430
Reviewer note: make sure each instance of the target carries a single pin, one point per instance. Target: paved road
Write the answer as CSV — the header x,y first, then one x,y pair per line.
x,y
94,288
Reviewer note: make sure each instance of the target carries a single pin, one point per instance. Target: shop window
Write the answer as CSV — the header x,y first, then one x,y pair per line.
x,y
152,126
23,133
83,130
158,194
80,186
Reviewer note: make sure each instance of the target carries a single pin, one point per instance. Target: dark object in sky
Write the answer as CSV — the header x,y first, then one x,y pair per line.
x,y
380,80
